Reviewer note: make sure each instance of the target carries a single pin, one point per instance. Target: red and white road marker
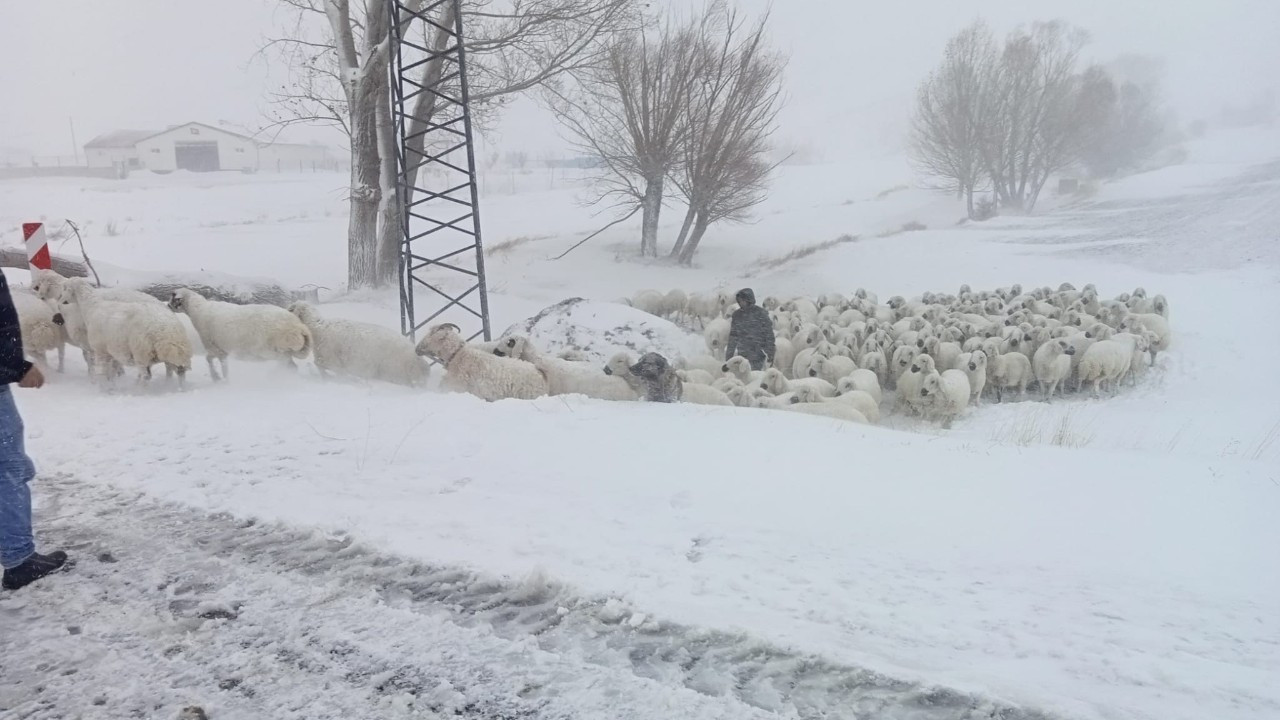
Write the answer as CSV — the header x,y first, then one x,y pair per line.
x,y
37,246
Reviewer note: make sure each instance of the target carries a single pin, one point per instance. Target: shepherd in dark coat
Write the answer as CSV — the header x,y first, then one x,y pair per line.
x,y
751,332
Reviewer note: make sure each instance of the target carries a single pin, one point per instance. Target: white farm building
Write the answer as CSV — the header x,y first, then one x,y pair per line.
x,y
202,148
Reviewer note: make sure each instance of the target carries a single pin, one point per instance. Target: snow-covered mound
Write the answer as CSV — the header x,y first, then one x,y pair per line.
x,y
601,330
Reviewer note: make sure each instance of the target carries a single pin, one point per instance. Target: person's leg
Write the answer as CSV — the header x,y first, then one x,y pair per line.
x,y
16,470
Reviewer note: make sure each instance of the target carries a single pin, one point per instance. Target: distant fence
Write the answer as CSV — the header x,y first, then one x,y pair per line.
x,y
7,173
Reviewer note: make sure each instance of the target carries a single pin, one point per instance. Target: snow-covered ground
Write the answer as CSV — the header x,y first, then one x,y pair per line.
x,y
1081,559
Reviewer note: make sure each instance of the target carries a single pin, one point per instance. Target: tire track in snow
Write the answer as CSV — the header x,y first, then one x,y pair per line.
x,y
253,618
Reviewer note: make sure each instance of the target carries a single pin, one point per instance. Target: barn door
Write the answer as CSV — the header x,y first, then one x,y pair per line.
x,y
196,156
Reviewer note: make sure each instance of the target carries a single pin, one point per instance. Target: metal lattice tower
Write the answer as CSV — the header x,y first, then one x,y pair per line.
x,y
441,256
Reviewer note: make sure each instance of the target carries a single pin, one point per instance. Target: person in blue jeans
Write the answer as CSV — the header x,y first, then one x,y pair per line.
x,y
22,564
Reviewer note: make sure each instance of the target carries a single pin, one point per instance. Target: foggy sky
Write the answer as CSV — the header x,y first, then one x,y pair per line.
x,y
853,69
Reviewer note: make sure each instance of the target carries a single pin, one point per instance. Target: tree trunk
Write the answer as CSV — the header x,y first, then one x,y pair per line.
x,y
968,194
695,237
390,234
650,209
684,233
366,168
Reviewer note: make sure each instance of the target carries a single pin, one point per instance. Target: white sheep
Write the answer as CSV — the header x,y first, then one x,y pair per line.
x,y
695,377
702,307
123,334
911,380
837,411
876,363
49,286
361,349
775,382
974,366
255,332
565,377
40,332
477,371
1135,323
947,394
716,335
1106,362
704,395
1052,365
650,301
784,354
943,353
863,380
702,361
902,359
673,303
831,369
857,399
1006,371
740,368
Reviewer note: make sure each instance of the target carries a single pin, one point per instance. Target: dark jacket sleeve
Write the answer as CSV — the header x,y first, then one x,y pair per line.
x,y
12,364
735,335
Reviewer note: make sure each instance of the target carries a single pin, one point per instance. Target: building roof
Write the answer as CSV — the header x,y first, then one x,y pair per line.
x,y
119,139
171,128
130,138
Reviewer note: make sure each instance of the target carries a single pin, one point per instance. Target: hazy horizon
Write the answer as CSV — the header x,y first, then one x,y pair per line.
x,y
850,82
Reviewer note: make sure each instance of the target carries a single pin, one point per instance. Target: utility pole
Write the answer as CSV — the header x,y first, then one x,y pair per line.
x,y
75,146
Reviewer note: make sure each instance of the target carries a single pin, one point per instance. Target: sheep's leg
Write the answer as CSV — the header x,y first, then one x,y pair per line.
x,y
168,371
62,357
182,377
226,369
213,369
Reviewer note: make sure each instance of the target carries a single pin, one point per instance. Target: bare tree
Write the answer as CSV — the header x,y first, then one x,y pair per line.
x,y
339,54
1032,130
731,114
952,106
628,112
1126,124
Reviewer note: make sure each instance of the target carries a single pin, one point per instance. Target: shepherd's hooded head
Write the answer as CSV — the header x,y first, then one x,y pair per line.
x,y
746,295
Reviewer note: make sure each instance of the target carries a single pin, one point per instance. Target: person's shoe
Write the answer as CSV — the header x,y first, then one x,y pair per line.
x,y
32,569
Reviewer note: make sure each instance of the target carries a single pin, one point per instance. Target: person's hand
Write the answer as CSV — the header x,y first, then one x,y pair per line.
x,y
33,379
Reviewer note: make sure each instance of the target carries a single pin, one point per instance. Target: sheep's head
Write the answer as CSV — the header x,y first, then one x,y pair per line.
x,y
303,311
923,364
181,300
738,365
932,385
441,343
1067,348
619,365
817,364
977,359
512,347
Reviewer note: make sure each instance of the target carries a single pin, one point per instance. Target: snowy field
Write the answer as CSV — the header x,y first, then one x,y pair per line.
x,y
1101,560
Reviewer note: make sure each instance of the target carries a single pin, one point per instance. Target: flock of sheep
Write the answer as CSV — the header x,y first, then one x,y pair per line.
x,y
118,328
841,356
939,352
836,356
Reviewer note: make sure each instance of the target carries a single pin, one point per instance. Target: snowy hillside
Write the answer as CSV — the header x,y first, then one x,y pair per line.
x,y
1085,559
